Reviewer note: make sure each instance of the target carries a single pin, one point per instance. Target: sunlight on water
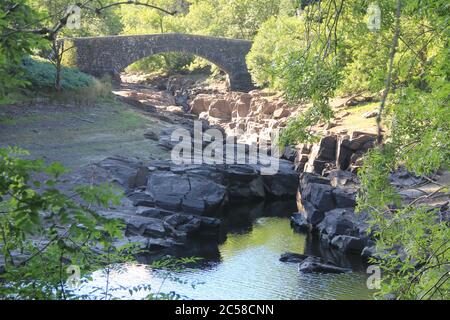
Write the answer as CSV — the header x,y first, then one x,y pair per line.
x,y
249,269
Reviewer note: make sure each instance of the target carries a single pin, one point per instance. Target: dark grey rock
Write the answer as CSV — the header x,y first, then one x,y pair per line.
x,y
369,252
313,215
192,193
343,154
142,199
319,195
282,184
122,170
327,148
191,224
307,178
289,153
359,139
300,223
150,212
314,266
338,222
151,135
343,198
293,257
348,244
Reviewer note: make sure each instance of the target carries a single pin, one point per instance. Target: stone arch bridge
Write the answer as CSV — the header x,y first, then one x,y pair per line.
x,y
112,54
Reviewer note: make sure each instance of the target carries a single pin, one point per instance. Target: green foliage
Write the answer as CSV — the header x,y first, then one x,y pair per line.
x,y
107,23
414,255
166,63
43,231
15,45
141,20
225,18
328,50
302,58
297,129
375,190
276,39
41,74
421,126
413,242
229,18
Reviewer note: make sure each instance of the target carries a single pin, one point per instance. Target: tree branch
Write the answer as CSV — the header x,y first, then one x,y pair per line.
x,y
389,74
134,2
51,33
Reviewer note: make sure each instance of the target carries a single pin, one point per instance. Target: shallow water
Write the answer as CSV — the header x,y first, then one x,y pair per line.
x,y
248,268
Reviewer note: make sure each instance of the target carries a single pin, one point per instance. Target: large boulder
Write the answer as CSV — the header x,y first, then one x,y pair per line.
x,y
314,197
268,107
348,244
338,222
284,182
312,214
289,153
141,198
192,225
242,109
344,198
361,140
343,152
243,182
220,108
327,148
311,265
190,193
319,195
121,170
140,226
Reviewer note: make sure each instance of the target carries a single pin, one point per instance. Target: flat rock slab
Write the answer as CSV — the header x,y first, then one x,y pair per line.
x,y
169,204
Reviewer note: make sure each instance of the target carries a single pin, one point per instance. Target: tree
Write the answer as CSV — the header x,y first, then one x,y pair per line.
x,y
28,25
334,52
15,45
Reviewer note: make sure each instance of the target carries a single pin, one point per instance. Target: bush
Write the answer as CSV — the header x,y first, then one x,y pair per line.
x,y
41,74
35,212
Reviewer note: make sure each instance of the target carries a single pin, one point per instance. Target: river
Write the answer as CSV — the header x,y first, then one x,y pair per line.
x,y
244,266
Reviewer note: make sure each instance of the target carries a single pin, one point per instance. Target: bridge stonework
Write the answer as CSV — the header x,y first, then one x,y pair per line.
x,y
112,54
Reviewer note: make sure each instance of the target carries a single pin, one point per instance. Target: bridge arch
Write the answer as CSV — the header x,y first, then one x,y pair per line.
x,y
112,54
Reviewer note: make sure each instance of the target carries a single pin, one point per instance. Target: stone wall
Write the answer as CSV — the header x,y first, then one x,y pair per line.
x,y
112,54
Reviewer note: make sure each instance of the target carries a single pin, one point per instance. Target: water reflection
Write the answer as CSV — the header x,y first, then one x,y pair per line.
x,y
248,268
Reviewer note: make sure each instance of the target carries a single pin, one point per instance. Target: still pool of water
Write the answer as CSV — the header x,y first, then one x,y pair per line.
x,y
249,268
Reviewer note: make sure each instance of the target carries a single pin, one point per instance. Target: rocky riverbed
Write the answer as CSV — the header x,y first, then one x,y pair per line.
x,y
171,208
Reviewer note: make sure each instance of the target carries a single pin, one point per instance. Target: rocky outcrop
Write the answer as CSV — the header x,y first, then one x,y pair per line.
x,y
168,205
341,151
242,114
204,189
327,207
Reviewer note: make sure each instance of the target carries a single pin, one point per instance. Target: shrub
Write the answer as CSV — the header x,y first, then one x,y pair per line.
x,y
41,74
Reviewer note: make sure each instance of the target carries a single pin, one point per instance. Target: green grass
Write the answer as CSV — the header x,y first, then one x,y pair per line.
x,y
39,75
356,121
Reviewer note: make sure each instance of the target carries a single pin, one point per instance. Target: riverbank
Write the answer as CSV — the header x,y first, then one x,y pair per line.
x,y
171,209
